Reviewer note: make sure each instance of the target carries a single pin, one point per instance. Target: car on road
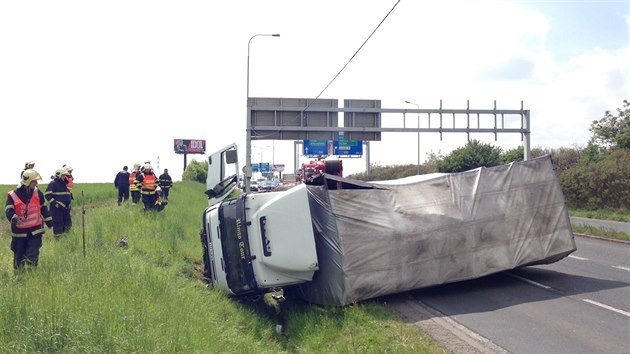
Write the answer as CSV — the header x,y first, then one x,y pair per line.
x,y
267,186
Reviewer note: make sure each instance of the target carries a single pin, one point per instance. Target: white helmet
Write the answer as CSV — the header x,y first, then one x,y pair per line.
x,y
29,176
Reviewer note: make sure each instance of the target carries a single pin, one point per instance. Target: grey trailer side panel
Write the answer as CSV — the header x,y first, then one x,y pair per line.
x,y
386,239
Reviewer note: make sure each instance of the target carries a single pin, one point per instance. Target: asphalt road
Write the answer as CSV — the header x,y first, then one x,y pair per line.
x,y
580,304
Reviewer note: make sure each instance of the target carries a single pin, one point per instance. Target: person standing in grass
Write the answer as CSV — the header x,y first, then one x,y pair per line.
x,y
147,183
121,182
26,209
165,182
28,165
70,184
133,187
59,198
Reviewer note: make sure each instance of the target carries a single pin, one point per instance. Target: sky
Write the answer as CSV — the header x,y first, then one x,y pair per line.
x,y
101,84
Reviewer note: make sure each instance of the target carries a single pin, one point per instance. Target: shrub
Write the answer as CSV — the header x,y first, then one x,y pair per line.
x,y
196,171
602,184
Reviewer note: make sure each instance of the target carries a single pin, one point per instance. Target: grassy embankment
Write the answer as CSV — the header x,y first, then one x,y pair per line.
x,y
148,297
614,215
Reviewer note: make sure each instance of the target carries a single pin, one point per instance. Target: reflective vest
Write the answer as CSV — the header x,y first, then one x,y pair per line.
x,y
70,183
30,215
132,181
148,184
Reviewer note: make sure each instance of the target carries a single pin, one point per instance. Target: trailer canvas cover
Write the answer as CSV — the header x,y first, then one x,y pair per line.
x,y
376,239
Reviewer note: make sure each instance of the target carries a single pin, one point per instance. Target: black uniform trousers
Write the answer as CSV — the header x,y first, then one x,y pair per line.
x,y
123,193
26,250
61,219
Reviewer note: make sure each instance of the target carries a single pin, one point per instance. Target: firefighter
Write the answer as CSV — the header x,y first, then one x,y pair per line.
x,y
27,211
133,187
59,199
28,165
165,182
121,182
69,177
147,183
159,203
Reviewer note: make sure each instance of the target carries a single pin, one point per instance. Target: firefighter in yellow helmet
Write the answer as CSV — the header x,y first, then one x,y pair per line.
x,y
133,187
59,199
147,183
69,176
28,165
26,209
160,203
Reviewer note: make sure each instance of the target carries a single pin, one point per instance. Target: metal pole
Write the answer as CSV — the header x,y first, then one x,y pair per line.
x,y
418,165
83,221
248,132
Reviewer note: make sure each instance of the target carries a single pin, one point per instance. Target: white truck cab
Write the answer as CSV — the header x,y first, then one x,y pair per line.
x,y
255,242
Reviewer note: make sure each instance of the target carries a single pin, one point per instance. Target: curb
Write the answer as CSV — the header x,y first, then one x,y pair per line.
x,y
602,238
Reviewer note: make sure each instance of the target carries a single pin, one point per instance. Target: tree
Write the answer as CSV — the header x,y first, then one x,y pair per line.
x,y
516,154
612,131
472,155
196,171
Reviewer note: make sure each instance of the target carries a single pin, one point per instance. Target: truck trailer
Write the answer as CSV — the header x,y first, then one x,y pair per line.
x,y
345,240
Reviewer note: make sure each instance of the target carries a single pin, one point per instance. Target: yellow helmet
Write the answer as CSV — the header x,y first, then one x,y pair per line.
x,y
29,165
61,172
148,167
29,176
68,169
136,166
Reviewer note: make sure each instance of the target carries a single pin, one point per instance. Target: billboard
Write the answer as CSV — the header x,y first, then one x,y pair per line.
x,y
189,146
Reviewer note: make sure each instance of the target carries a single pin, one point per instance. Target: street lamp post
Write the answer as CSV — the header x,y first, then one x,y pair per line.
x,y
417,106
248,133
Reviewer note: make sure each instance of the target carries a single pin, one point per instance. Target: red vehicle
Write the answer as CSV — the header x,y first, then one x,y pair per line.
x,y
312,172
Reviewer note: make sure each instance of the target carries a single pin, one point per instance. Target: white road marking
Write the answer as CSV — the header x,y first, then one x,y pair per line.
x,y
578,258
622,268
530,281
607,307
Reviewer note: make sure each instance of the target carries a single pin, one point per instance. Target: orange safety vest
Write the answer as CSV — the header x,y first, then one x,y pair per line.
x,y
30,215
70,183
132,181
148,184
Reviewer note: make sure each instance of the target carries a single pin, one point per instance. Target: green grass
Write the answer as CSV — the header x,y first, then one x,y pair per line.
x,y
148,297
606,214
601,232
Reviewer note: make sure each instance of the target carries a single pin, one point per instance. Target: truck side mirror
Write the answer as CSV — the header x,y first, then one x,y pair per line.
x,y
231,156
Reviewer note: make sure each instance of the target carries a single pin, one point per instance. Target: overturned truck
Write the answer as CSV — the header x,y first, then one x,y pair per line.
x,y
346,240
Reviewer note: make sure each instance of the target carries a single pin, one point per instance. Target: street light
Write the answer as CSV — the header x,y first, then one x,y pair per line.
x,y
418,166
248,133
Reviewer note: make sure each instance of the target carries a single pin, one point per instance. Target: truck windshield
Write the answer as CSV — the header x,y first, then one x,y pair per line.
x,y
236,252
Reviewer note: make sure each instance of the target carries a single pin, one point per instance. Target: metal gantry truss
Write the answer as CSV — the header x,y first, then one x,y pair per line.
x,y
276,125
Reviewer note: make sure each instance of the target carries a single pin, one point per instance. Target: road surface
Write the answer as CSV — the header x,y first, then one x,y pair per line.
x,y
578,305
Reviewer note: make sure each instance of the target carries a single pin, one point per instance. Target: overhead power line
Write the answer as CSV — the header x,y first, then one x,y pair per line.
x,y
354,55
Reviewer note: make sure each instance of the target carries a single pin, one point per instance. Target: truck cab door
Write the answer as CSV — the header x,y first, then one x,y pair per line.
x,y
222,174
